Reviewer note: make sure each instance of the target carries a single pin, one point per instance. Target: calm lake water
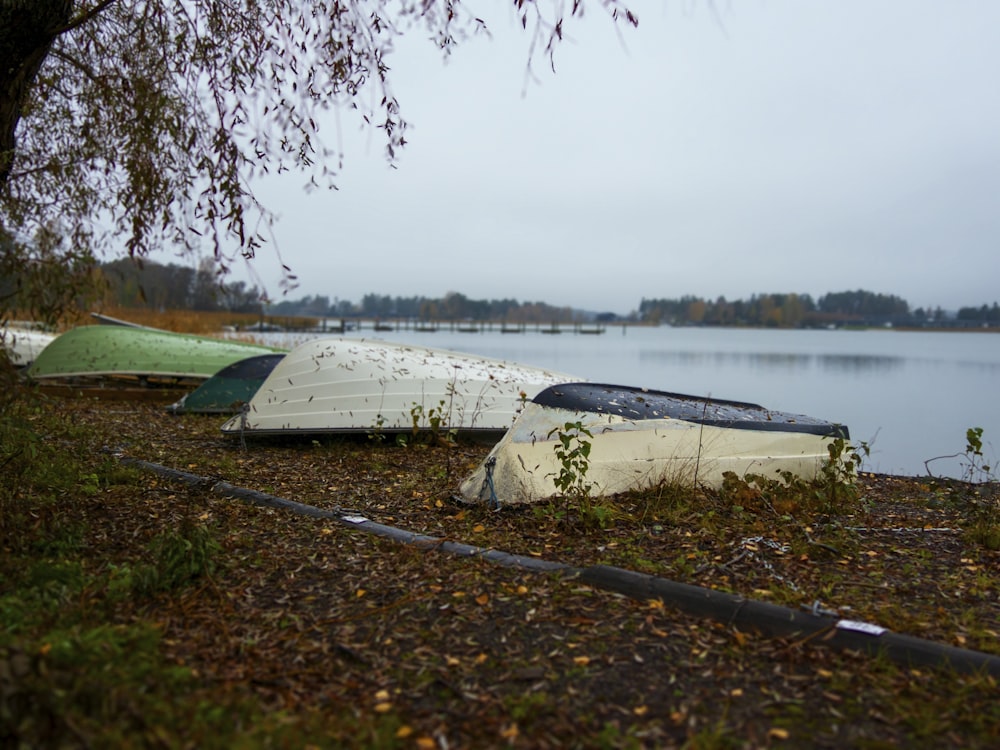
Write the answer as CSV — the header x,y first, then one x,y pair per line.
x,y
910,395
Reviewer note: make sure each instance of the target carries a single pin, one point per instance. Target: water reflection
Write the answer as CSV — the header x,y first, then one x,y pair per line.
x,y
986,367
859,363
786,362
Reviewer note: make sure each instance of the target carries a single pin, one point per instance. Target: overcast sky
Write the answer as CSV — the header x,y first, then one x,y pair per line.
x,y
768,146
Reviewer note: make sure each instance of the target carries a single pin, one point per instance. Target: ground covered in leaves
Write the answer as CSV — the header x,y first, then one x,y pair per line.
x,y
348,639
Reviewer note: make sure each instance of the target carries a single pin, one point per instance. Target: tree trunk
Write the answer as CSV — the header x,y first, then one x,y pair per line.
x,y
27,30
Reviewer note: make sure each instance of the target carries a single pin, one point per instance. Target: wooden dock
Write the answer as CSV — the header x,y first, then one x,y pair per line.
x,y
383,325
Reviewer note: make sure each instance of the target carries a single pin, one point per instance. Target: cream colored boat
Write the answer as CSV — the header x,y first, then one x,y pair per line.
x,y
640,439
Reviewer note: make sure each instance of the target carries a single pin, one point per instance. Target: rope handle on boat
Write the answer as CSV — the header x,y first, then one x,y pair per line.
x,y
492,502
244,410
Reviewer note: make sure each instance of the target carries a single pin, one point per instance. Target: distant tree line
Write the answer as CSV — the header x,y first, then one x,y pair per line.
x,y
128,283
787,310
981,314
452,307
858,307
155,285
802,311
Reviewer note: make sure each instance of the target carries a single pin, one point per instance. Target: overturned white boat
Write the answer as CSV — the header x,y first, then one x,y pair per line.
x,y
338,385
23,342
640,439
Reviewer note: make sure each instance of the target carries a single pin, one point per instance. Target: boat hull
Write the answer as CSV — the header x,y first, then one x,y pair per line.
x,y
23,345
101,351
340,385
641,439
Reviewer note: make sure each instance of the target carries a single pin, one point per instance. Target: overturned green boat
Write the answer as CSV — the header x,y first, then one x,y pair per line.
x,y
91,353
230,388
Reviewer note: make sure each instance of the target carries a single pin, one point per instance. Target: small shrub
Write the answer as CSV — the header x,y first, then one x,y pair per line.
x,y
377,434
429,423
573,453
572,450
836,484
976,468
179,558
833,492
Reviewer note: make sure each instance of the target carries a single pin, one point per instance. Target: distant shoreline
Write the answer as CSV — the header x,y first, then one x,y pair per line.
x,y
192,321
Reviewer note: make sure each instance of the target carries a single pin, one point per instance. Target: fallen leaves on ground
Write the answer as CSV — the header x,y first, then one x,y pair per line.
x,y
311,615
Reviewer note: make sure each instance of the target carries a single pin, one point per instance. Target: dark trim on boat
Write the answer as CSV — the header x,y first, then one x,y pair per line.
x,y
642,404
256,367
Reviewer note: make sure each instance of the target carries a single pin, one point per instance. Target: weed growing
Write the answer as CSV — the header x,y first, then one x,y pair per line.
x,y
179,558
977,492
428,426
975,468
572,451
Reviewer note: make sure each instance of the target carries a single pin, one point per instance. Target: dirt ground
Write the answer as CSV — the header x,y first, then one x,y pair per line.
x,y
444,650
